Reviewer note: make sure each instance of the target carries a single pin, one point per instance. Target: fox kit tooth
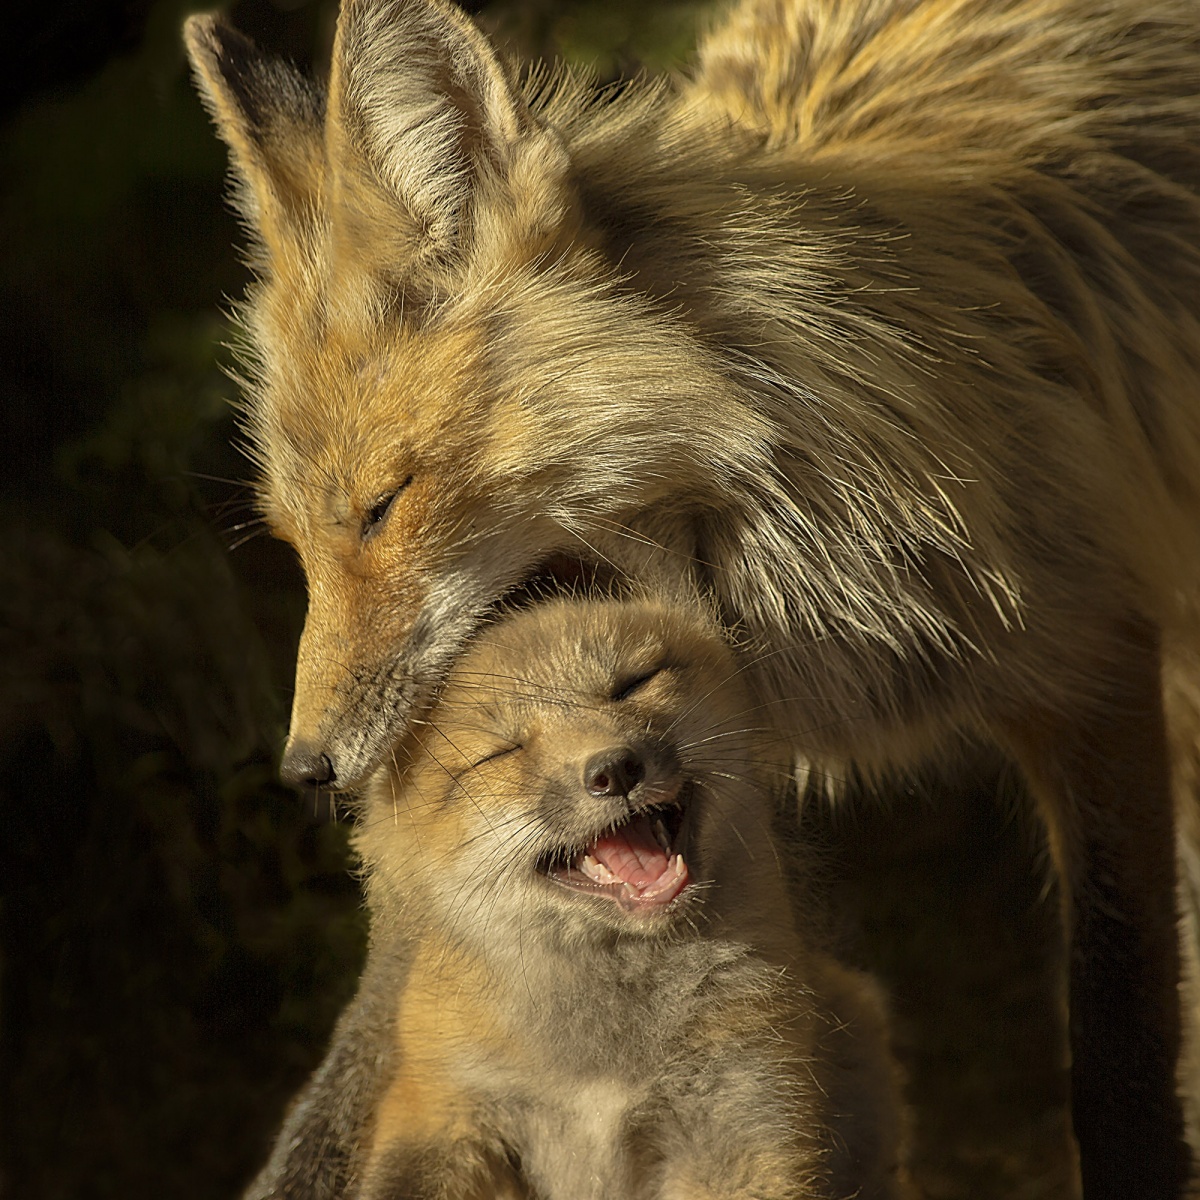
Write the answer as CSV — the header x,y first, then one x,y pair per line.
x,y
660,832
596,870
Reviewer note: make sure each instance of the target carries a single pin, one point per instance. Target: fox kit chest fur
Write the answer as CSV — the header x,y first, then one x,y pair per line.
x,y
878,331
603,993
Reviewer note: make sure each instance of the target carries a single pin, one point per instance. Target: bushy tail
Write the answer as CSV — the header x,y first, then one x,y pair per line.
x,y
955,84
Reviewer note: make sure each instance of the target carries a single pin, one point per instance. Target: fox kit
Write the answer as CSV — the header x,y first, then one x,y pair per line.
x,y
879,331
596,987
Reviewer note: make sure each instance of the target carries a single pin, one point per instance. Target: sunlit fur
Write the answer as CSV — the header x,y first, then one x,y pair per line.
x,y
879,328
899,333
547,1042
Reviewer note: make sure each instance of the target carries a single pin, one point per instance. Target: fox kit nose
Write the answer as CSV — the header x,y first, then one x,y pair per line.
x,y
303,766
614,772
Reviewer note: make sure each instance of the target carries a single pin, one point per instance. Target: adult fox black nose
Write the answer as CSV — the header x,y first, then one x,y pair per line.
x,y
303,766
614,772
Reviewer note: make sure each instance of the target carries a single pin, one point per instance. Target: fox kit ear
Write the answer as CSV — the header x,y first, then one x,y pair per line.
x,y
271,118
421,115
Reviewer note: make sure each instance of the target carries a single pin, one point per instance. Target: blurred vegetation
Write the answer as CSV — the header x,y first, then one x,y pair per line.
x,y
179,931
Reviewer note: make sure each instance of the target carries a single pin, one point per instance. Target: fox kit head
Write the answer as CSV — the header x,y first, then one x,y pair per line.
x,y
451,391
585,766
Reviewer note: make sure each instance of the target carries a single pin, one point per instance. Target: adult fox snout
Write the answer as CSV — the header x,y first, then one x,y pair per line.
x,y
352,689
371,654
315,755
340,723
304,766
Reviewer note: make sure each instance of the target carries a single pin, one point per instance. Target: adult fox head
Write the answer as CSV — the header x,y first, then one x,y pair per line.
x,y
450,389
501,333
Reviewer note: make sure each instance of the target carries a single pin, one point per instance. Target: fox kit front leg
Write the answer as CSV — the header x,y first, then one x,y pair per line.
x,y
429,1146
1102,781
444,1171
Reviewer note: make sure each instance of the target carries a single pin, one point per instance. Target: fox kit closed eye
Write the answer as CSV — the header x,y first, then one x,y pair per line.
x,y
881,327
597,989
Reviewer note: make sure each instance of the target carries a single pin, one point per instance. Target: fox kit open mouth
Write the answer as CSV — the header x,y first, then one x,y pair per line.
x,y
638,862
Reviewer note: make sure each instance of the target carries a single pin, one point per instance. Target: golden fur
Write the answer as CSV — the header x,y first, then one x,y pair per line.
x,y
545,1041
879,330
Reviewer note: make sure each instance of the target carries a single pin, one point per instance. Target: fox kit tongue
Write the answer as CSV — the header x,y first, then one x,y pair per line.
x,y
635,857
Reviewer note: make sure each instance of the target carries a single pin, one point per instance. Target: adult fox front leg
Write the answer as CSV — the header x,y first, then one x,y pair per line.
x,y
880,329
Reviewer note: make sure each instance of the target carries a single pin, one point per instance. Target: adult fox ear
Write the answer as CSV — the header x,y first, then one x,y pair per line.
x,y
423,117
271,118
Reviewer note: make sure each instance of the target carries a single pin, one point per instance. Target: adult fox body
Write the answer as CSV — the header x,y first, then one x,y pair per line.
x,y
585,980
880,329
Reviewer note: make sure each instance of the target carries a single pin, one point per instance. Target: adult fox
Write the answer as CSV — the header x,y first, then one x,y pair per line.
x,y
880,329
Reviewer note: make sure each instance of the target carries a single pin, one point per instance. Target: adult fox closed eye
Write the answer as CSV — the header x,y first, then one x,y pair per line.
x,y
881,328
584,978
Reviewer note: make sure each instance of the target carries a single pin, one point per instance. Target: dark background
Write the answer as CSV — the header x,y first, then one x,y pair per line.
x,y
179,931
